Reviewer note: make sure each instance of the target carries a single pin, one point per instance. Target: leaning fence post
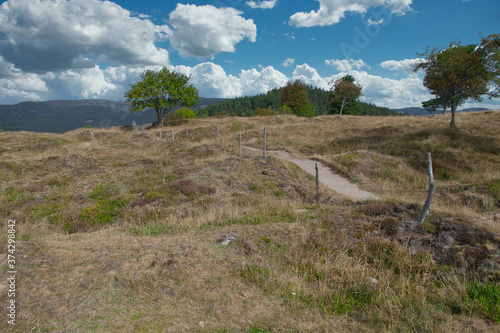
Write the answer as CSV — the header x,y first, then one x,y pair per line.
x,y
432,189
160,134
173,138
264,142
239,139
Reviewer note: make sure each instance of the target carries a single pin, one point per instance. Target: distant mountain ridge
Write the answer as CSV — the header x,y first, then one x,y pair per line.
x,y
66,115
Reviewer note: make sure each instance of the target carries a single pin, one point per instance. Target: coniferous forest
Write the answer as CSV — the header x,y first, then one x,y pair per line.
x,y
319,98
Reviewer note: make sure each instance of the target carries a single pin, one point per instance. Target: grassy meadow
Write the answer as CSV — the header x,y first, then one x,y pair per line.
x,y
116,232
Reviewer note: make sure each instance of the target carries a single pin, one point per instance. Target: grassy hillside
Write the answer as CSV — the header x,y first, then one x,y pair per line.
x,y
120,233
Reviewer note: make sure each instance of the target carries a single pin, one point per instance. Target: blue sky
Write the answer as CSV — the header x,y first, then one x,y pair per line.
x,y
94,49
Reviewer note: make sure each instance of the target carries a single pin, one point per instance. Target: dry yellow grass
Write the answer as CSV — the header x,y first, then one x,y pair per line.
x,y
120,233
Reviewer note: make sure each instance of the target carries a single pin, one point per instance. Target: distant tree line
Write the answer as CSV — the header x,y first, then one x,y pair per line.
x,y
320,102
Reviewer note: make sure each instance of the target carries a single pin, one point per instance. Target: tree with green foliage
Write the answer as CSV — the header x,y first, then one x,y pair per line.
x,y
345,94
462,72
295,96
161,91
352,108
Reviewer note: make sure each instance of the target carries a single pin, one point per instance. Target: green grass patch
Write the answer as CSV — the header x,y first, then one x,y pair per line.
x,y
107,206
483,298
103,211
14,195
59,182
494,189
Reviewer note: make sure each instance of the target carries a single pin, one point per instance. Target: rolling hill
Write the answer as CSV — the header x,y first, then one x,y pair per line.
x,y
62,116
119,232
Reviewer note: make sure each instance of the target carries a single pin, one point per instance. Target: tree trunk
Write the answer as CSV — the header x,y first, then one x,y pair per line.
x,y
342,106
445,106
453,111
158,116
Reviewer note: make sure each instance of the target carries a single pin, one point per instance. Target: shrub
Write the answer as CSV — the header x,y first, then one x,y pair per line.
x,y
260,112
285,109
179,117
186,113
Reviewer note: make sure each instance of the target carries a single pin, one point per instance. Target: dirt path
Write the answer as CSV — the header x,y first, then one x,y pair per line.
x,y
326,176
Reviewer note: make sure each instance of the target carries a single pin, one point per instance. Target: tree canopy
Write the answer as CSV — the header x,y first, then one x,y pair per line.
x,y
345,94
295,96
461,72
161,91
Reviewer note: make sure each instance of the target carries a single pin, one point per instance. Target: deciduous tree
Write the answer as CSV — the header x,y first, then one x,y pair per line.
x,y
344,92
295,96
462,72
161,91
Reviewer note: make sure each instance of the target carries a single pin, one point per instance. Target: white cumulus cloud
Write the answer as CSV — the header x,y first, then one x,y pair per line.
x,y
262,4
42,36
203,31
211,80
288,62
405,65
16,86
346,65
254,82
391,93
309,75
92,83
332,11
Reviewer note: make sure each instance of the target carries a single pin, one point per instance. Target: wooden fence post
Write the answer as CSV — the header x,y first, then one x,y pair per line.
x,y
217,127
317,179
239,139
173,137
